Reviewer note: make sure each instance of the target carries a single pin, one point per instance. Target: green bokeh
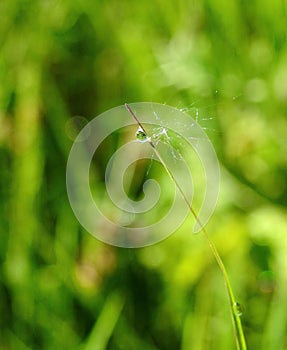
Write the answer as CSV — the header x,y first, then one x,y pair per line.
x,y
64,62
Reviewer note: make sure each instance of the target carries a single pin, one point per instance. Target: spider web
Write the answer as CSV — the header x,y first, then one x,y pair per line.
x,y
160,134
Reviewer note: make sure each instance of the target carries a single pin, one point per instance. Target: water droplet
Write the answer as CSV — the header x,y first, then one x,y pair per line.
x,y
141,135
237,309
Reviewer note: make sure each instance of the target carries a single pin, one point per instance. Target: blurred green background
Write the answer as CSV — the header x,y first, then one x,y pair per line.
x,y
60,288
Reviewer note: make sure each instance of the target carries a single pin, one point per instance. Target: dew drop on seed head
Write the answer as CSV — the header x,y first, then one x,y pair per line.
x,y
141,135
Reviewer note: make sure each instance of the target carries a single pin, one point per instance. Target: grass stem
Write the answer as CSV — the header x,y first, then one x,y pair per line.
x,y
233,305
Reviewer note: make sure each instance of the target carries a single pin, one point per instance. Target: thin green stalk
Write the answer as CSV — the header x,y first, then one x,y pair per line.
x,y
234,306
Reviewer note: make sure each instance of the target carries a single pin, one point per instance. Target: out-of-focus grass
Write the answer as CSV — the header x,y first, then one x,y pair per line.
x,y
62,289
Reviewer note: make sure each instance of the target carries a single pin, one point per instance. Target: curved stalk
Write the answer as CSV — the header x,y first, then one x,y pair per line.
x,y
233,305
